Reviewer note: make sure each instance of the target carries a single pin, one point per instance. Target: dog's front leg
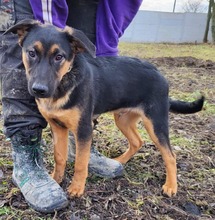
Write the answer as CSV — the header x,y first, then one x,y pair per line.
x,y
77,186
60,139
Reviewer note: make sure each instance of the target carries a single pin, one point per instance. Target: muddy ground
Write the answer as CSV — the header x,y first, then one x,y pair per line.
x,y
137,195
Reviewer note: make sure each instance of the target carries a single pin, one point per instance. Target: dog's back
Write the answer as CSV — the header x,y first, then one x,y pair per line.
x,y
120,82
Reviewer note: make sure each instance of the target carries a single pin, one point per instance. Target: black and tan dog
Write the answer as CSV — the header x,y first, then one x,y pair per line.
x,y
71,87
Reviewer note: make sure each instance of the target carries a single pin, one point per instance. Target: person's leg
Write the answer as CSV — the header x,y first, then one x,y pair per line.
x,y
23,125
82,16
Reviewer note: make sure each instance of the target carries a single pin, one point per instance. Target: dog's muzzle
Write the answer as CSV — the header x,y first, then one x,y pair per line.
x,y
39,90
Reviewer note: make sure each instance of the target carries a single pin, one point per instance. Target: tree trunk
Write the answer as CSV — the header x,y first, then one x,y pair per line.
x,y
213,22
205,39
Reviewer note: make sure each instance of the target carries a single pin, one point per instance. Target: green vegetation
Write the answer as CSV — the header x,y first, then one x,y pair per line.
x,y
200,51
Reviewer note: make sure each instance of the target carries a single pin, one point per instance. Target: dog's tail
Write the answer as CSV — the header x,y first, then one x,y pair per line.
x,y
177,106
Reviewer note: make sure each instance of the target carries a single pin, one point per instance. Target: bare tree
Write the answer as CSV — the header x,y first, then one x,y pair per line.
x,y
194,6
210,18
213,21
205,39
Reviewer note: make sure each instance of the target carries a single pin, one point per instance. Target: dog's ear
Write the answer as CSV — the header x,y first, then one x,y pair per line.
x,y
21,28
80,41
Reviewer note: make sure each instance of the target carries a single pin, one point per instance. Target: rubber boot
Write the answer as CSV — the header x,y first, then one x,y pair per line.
x,y
41,192
99,164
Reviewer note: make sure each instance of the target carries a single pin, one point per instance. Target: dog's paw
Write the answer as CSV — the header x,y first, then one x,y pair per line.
x,y
169,190
76,189
57,177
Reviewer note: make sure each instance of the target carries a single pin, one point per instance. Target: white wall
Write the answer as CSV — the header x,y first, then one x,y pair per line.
x,y
156,27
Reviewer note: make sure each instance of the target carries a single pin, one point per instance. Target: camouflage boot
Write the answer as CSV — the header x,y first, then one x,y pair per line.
x,y
98,164
41,192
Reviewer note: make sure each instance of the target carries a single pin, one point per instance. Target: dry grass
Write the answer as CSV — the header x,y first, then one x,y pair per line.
x,y
199,51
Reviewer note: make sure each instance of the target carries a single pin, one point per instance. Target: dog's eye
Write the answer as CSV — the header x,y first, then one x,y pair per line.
x,y
32,53
59,57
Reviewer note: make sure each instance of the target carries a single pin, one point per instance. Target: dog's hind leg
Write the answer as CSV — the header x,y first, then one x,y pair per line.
x,y
158,131
126,122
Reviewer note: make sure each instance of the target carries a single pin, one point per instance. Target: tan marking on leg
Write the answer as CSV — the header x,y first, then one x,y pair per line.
x,y
70,118
82,156
170,186
126,122
60,139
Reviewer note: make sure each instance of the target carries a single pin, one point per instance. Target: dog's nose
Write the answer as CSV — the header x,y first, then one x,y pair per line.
x,y
39,89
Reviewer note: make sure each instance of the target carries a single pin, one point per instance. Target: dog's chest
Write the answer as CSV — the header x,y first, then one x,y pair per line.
x,y
47,107
52,112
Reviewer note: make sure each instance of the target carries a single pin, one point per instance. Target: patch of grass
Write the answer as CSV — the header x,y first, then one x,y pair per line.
x,y
6,162
144,50
3,189
209,109
5,211
179,140
185,96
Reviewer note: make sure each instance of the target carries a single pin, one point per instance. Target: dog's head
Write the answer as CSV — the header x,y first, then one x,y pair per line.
x,y
48,53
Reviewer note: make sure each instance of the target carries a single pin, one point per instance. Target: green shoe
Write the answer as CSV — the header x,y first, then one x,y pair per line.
x,y
99,164
41,192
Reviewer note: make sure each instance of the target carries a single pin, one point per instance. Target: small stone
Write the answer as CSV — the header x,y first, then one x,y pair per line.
x,y
95,217
177,148
192,208
1,174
